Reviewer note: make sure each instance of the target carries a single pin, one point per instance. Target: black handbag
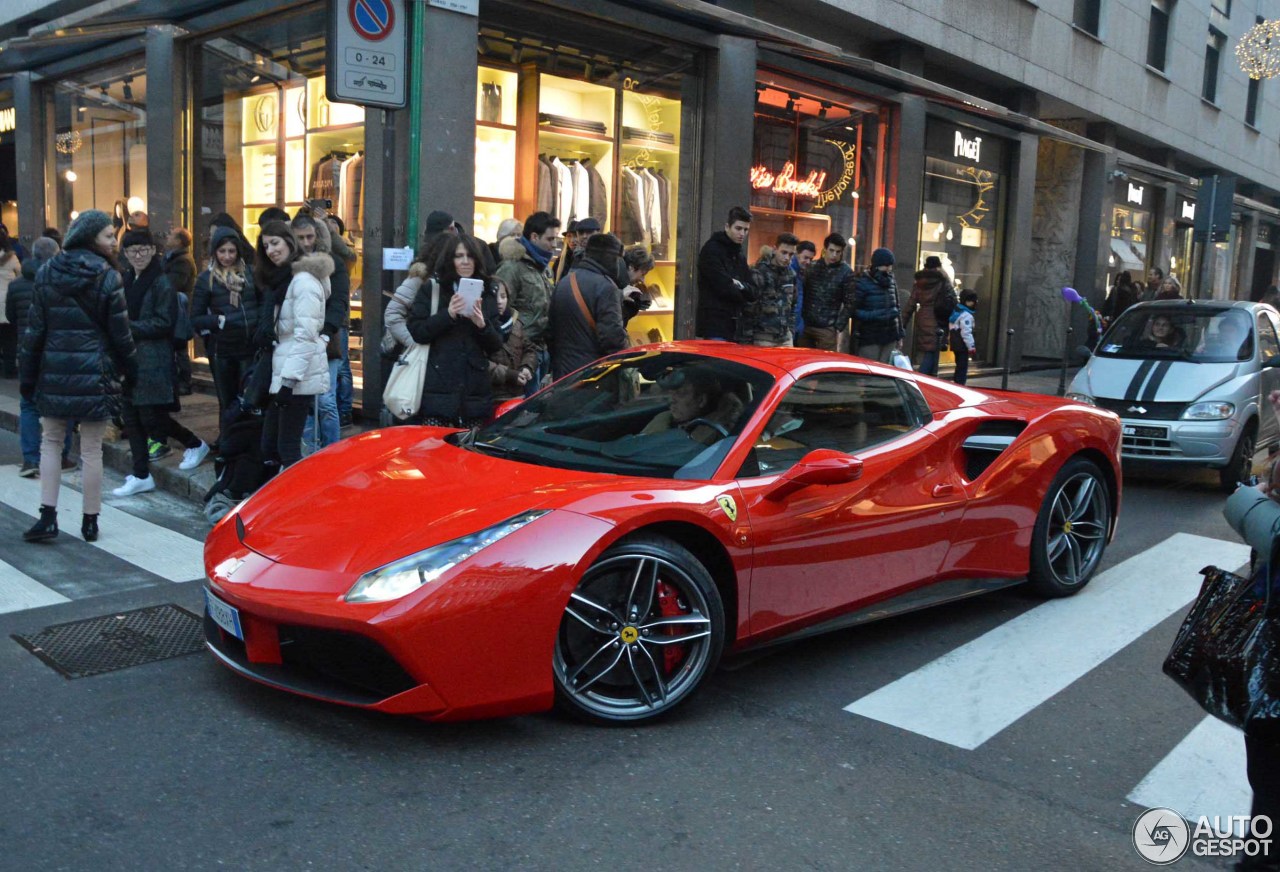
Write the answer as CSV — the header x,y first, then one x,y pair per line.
x,y
1225,653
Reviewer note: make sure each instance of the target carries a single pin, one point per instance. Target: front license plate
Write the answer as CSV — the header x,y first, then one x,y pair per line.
x,y
1146,432
225,616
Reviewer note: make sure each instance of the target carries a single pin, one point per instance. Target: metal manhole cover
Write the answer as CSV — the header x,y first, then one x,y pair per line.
x,y
96,645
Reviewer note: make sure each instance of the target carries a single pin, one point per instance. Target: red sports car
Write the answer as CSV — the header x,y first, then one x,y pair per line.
x,y
600,545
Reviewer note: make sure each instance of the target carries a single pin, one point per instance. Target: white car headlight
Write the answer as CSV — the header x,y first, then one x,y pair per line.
x,y
1211,411
406,575
1080,398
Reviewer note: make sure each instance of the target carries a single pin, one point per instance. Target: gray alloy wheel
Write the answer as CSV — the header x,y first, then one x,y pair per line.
x,y
1241,465
1071,530
639,634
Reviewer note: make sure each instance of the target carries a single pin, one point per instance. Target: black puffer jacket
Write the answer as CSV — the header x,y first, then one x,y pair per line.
x,y
21,291
153,310
875,295
66,355
457,381
234,339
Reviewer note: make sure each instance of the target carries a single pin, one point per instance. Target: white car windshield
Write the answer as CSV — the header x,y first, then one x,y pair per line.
x,y
1199,334
654,413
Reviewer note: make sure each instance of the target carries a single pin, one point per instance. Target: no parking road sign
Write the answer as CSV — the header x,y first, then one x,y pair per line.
x,y
367,53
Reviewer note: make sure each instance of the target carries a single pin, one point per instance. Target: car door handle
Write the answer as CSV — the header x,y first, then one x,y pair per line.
x,y
944,490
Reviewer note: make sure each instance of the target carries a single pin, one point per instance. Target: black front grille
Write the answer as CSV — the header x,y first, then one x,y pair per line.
x,y
347,658
1154,411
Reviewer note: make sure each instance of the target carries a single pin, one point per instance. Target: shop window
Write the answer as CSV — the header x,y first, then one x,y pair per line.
x,y
1087,15
578,132
1212,59
1158,34
100,141
816,166
268,136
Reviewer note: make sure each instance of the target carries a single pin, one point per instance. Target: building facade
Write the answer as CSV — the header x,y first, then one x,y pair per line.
x,y
1029,145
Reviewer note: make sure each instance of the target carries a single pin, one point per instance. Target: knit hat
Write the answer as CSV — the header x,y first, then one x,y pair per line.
x,y
136,237
932,262
883,257
603,243
438,221
88,224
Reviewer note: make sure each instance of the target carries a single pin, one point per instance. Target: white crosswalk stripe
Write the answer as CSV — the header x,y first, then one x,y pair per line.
x,y
967,696
156,549
1203,775
19,591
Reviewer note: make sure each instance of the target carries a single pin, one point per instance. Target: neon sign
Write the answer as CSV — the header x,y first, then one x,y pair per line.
x,y
786,181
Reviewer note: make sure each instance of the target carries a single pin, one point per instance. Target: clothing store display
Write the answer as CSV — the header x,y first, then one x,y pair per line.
x,y
547,179
564,192
646,196
640,135
599,199
546,118
491,102
581,201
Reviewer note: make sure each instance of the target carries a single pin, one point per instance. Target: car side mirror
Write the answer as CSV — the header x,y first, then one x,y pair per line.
x,y
822,466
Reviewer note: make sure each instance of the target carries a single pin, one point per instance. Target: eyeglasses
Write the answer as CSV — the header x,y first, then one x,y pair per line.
x,y
139,250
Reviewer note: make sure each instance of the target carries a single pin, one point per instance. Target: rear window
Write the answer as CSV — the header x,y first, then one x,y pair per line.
x,y
1195,333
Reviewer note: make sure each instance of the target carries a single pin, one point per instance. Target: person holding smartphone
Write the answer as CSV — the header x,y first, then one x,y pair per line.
x,y
462,332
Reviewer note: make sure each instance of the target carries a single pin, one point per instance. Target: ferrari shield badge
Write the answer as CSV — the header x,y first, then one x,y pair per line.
x,y
729,506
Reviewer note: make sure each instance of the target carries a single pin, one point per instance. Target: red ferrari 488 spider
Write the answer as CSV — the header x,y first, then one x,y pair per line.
x,y
601,544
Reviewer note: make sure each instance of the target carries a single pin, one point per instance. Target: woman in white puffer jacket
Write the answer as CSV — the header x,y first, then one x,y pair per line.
x,y
299,365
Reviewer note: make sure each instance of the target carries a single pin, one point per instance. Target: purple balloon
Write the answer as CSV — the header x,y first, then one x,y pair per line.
x,y
1071,295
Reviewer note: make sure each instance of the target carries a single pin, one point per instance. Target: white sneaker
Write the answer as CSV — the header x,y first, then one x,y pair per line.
x,y
133,486
193,457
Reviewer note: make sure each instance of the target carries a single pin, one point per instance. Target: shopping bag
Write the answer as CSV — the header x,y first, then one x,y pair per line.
x,y
900,360
1225,653
403,393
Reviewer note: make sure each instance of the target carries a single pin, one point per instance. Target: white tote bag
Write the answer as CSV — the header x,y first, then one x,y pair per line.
x,y
403,392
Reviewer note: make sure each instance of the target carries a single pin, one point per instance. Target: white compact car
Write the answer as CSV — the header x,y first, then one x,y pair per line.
x,y
1189,380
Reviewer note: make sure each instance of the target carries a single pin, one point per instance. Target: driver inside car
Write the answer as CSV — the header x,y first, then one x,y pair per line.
x,y
697,404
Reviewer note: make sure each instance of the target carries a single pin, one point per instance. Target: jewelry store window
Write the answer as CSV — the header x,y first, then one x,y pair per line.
x,y
817,165
586,129
268,136
100,144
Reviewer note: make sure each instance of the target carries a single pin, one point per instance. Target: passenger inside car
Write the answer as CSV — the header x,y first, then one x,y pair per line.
x,y
1231,339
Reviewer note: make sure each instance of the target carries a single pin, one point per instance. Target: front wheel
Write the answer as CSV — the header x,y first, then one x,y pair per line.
x,y
639,634
1071,530
1241,465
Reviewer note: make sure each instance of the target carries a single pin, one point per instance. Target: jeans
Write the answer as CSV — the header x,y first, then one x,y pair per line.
x,y
929,363
29,433
346,383
330,428
962,360
544,367
282,429
53,437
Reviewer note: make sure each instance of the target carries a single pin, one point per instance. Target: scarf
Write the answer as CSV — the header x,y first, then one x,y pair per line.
x,y
222,275
540,257
137,285
508,318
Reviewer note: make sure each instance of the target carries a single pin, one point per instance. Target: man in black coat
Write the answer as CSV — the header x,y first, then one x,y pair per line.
x,y
586,307
724,279
17,306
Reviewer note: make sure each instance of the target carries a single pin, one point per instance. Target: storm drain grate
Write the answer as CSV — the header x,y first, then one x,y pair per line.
x,y
96,645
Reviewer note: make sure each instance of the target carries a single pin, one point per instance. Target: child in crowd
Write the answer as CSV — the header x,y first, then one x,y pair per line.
x,y
962,342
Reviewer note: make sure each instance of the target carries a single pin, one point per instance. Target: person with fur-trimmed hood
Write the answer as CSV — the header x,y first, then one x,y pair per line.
x,y
931,302
314,236
299,366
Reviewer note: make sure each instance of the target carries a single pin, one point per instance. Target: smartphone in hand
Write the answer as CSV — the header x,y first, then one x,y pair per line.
x,y
470,290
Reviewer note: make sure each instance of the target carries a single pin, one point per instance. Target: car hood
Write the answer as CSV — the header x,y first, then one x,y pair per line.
x,y
1161,381
367,501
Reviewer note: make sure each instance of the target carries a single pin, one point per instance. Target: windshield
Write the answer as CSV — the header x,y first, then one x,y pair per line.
x,y
1195,333
653,413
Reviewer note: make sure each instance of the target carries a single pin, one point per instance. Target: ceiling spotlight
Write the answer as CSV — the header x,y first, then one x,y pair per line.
x,y
255,78
128,88
517,54
791,102
822,113
74,215
70,175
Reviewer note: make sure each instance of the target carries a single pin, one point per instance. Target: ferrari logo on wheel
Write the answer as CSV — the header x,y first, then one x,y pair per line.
x,y
630,635
730,507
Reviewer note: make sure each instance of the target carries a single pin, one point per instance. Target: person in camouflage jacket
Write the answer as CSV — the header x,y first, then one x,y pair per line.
x,y
769,318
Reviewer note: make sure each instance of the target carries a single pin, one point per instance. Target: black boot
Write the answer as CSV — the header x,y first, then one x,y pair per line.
x,y
89,528
45,528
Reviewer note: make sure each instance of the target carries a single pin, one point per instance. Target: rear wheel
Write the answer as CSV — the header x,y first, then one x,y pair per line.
x,y
1241,465
1071,530
640,633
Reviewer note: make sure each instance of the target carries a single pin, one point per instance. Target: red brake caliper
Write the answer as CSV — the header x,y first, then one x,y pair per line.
x,y
669,606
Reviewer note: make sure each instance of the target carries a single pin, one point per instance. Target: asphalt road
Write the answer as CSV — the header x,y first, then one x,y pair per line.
x,y
179,764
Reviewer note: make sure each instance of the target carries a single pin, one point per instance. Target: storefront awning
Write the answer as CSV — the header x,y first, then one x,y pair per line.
x,y
1125,256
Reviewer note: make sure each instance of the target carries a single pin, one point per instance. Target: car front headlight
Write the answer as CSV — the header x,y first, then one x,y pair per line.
x,y
1080,398
1211,411
406,575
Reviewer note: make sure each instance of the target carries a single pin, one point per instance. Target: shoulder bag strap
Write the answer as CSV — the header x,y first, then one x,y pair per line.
x,y
582,304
